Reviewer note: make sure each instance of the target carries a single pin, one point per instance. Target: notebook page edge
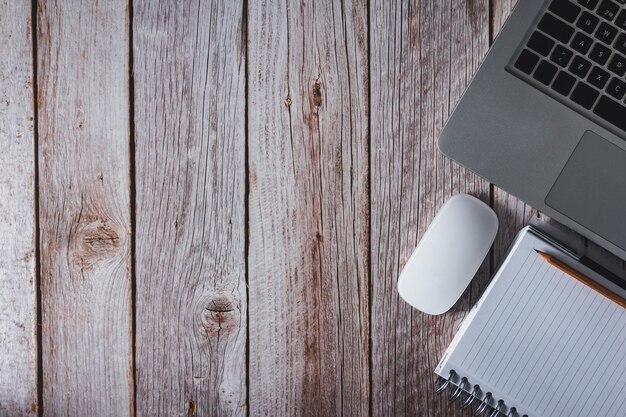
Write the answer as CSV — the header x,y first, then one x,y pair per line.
x,y
525,241
521,236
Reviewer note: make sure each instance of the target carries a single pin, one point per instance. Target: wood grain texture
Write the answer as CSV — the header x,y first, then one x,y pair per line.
x,y
83,108
500,12
309,221
189,66
18,350
308,129
423,54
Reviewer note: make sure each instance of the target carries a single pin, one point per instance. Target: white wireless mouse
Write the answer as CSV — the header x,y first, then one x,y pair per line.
x,y
448,255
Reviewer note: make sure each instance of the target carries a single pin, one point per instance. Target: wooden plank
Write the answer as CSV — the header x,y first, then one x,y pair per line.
x,y
423,54
83,118
18,349
500,11
309,220
189,66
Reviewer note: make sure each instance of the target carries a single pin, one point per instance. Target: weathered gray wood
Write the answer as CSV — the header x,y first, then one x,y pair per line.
x,y
18,350
500,11
83,99
189,66
309,221
423,54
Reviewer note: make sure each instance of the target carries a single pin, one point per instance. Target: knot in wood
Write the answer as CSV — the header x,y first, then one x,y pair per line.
x,y
220,316
315,101
79,119
191,408
316,94
95,239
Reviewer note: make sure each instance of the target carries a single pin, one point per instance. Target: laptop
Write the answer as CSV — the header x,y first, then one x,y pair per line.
x,y
545,116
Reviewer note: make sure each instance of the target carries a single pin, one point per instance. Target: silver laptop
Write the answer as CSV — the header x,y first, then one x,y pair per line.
x,y
545,116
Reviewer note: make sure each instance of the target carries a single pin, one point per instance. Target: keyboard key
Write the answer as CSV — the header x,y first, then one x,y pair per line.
x,y
598,77
563,83
580,67
540,43
556,28
561,55
620,45
584,95
600,53
582,43
611,111
616,88
606,33
618,64
621,20
565,9
590,4
587,22
545,72
526,61
608,9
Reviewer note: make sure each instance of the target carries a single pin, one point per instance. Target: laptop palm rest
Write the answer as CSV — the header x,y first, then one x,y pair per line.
x,y
591,188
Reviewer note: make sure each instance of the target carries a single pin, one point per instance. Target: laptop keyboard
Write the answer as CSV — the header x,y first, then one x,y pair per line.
x,y
577,54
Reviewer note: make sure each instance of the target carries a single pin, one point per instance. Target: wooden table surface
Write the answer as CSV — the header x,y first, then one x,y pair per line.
x,y
205,205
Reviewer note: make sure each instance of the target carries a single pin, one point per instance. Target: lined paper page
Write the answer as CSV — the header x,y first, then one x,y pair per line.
x,y
545,343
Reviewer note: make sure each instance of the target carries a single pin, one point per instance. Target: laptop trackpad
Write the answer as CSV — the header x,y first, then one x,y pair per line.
x,y
591,189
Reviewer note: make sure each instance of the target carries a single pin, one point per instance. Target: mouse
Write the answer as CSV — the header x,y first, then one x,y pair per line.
x,y
448,255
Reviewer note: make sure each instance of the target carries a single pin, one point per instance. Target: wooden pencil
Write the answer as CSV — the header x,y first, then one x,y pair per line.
x,y
582,278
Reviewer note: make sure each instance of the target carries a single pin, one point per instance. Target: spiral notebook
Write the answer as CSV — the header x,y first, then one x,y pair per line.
x,y
539,343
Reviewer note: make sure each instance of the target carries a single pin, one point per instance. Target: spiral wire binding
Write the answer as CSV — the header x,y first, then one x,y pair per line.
x,y
462,391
